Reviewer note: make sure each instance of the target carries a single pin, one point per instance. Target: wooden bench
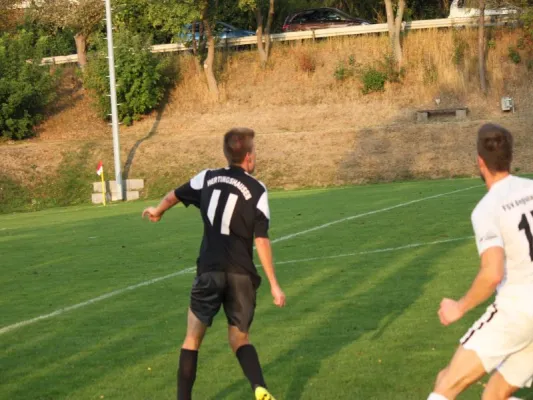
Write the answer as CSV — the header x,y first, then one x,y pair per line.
x,y
423,115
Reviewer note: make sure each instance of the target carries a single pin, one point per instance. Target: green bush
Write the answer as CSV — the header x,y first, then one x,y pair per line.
x,y
47,40
25,87
140,76
514,55
459,49
373,80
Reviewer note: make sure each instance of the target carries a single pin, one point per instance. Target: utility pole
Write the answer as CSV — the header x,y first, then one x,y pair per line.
x,y
113,95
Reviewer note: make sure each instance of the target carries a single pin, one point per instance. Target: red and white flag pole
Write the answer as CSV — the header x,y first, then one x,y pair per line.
x,y
100,172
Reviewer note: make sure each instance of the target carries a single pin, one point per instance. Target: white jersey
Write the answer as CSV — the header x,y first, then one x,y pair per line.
x,y
504,218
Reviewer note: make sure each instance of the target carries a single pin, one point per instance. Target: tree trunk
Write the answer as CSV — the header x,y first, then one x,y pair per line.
x,y
263,57
398,55
264,48
81,49
395,28
210,60
390,23
481,47
270,20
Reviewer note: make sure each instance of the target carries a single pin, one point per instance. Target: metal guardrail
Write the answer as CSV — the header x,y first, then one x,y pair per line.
x,y
314,34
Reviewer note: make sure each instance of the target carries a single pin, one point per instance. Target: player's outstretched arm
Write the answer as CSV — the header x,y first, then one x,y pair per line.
x,y
154,214
264,251
487,280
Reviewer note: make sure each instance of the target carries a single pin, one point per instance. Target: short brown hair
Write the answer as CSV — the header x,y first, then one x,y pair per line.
x,y
237,143
495,147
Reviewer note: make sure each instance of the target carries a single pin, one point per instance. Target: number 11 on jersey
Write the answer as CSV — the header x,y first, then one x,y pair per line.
x,y
228,210
524,225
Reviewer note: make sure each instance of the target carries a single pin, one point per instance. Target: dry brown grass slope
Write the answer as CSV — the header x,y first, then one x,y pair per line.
x,y
313,129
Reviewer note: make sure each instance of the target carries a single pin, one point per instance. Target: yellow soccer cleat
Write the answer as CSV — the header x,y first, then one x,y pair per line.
x,y
262,394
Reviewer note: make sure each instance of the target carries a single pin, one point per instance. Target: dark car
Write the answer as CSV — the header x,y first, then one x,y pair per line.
x,y
320,18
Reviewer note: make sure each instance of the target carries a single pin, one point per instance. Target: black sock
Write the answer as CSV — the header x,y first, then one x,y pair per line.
x,y
249,361
187,373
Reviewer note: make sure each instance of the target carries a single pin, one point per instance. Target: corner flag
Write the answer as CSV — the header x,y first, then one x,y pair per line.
x,y
100,168
100,172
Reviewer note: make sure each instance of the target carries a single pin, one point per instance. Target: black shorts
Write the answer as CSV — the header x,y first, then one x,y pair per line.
x,y
236,292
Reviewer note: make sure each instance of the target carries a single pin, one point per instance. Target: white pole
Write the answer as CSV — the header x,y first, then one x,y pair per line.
x,y
113,94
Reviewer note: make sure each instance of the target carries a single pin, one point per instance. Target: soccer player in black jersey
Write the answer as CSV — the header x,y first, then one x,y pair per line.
x,y
235,212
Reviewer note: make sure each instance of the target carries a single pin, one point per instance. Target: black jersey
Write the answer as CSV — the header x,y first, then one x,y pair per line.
x,y
234,208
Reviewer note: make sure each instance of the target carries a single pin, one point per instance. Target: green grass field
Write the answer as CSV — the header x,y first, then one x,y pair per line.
x,y
360,321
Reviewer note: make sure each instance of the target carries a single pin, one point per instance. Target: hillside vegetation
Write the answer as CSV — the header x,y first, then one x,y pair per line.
x,y
315,123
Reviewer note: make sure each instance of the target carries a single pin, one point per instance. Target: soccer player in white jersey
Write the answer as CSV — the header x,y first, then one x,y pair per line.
x,y
501,341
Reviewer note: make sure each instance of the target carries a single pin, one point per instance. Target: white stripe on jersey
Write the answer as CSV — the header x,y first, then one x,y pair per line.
x,y
262,205
197,182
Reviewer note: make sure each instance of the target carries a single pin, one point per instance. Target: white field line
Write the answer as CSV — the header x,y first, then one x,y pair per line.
x,y
386,250
60,311
362,253
338,221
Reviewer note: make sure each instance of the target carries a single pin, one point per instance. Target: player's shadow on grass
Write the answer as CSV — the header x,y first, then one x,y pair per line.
x,y
345,315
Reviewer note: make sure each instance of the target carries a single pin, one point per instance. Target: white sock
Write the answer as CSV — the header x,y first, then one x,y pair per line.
x,y
435,396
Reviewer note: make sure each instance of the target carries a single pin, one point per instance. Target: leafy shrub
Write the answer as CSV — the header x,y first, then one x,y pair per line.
x,y
459,49
514,55
373,80
140,76
343,71
25,86
47,40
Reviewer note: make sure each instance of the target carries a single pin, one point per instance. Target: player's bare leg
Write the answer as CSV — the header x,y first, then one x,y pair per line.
x,y
464,369
498,388
189,356
249,360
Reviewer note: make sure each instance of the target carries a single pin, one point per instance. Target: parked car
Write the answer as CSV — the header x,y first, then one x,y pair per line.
x,y
458,10
320,18
222,30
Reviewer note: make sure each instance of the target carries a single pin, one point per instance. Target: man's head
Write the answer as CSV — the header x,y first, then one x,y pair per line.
x,y
239,148
495,151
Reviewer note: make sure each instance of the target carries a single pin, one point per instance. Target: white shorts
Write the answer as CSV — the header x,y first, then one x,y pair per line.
x,y
503,340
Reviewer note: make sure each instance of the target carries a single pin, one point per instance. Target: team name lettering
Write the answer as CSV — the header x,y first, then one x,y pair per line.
x,y
231,181
517,203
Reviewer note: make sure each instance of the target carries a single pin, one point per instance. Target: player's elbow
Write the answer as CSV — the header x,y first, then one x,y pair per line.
x,y
261,241
495,277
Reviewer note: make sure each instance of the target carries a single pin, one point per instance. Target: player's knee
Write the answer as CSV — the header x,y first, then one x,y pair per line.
x,y
494,392
237,340
442,374
450,386
191,343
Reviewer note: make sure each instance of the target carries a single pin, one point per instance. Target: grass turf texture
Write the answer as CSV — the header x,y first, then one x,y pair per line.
x,y
362,326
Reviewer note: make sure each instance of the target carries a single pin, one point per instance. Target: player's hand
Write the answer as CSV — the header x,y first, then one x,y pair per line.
x,y
278,295
450,311
152,214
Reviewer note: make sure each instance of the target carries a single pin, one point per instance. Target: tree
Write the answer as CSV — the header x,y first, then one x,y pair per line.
x,y
80,16
262,29
208,12
395,28
482,40
171,17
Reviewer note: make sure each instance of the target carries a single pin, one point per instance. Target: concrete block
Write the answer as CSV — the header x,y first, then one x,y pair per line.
x,y
98,198
460,114
422,116
111,186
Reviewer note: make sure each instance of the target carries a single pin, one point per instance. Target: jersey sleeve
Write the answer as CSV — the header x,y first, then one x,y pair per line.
x,y
262,217
486,229
191,192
